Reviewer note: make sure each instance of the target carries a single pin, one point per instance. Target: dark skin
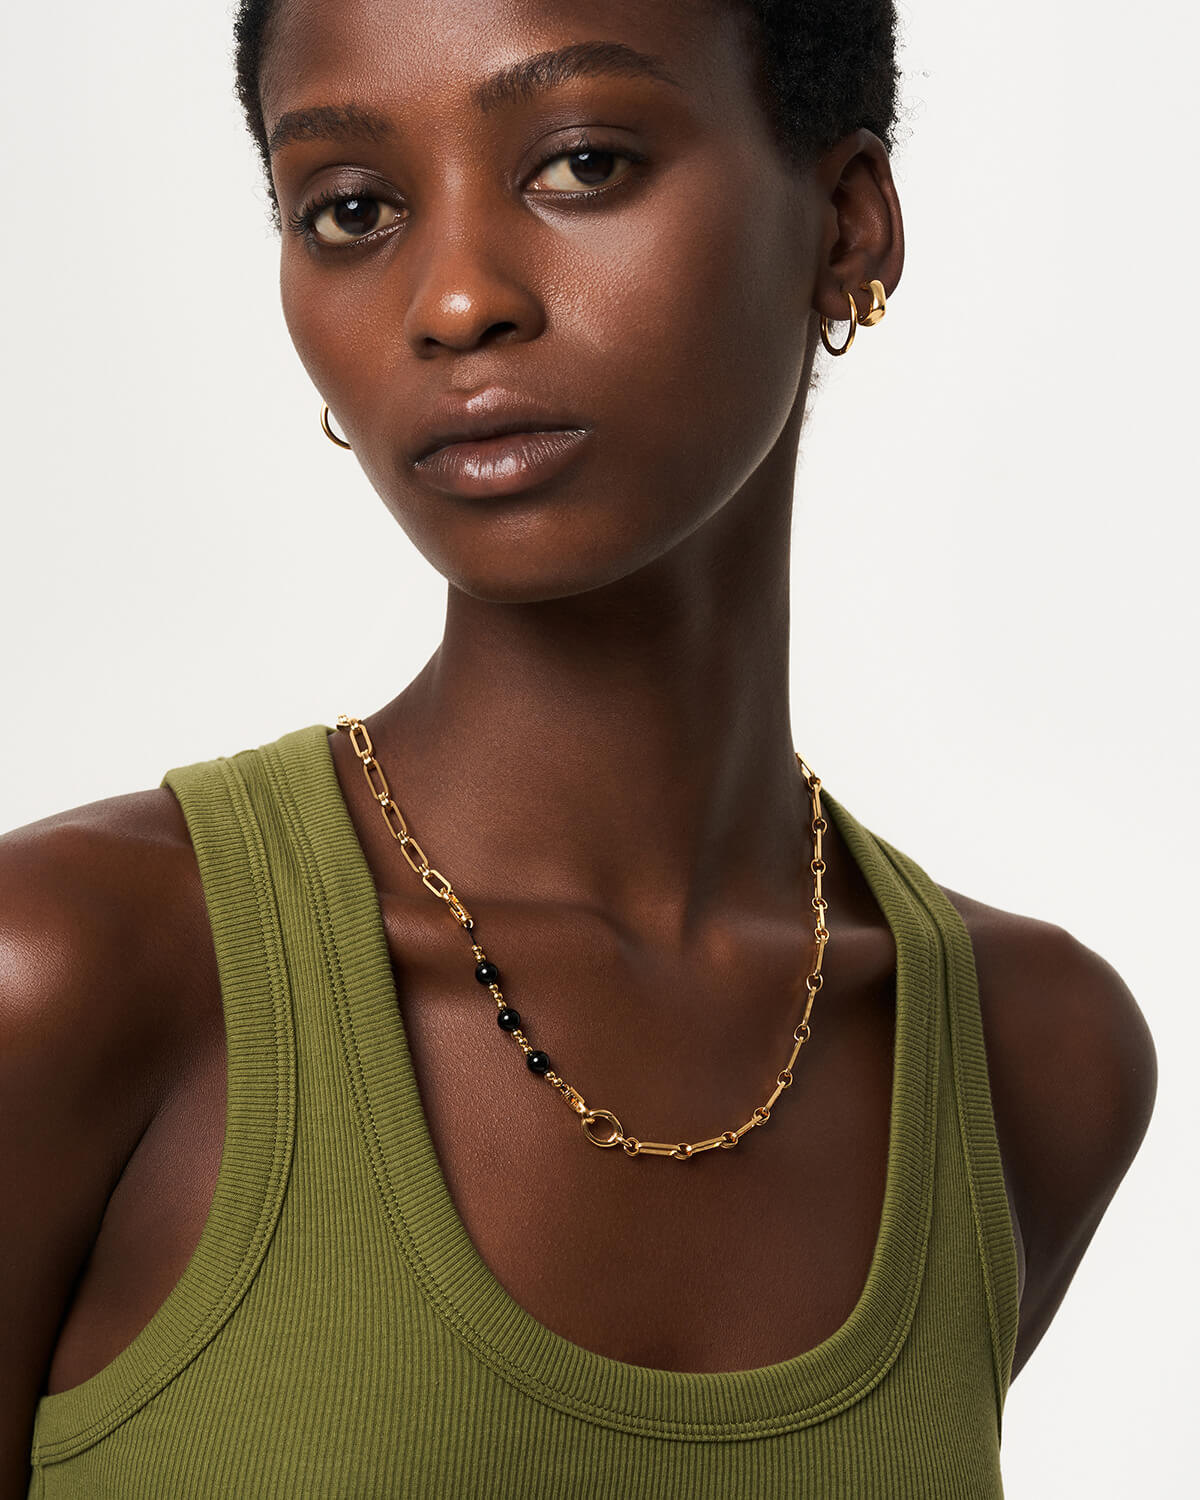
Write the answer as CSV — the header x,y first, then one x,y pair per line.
x,y
599,755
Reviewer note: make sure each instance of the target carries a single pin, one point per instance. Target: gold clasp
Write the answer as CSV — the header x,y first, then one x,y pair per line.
x,y
592,1116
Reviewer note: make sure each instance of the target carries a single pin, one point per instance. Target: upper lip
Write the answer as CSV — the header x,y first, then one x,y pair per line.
x,y
488,413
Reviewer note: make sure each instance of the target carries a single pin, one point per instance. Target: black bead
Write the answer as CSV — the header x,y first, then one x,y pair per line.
x,y
537,1062
487,973
508,1019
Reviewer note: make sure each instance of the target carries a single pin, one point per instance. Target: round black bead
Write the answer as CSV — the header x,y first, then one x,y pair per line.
x,y
487,973
508,1019
537,1062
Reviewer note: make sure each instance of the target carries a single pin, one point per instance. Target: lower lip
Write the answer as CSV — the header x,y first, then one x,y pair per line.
x,y
501,465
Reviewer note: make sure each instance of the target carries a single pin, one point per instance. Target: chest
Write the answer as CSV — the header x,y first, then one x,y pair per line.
x,y
732,1259
729,1260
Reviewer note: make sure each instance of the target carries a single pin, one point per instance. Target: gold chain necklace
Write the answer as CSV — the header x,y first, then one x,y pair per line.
x,y
509,1020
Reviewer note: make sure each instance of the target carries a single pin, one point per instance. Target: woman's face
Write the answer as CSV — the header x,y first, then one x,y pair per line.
x,y
657,293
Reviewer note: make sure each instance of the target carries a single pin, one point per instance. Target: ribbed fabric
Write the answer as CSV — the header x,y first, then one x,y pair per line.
x,y
336,1333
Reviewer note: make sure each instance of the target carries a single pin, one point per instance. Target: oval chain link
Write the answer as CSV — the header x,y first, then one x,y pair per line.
x,y
614,1135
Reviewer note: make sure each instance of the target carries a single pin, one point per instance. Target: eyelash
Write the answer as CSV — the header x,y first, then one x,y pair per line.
x,y
302,221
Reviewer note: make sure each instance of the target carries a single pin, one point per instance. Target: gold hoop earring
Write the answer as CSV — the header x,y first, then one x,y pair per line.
x,y
329,432
850,336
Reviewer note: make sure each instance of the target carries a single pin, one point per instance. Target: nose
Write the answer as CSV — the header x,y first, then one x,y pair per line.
x,y
469,280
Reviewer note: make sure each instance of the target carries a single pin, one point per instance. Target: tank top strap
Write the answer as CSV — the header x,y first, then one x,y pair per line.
x,y
976,1120
239,891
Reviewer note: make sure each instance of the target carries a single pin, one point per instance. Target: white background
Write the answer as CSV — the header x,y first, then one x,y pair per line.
x,y
1001,476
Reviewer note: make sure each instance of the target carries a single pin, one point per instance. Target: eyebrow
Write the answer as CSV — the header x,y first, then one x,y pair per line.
x,y
511,84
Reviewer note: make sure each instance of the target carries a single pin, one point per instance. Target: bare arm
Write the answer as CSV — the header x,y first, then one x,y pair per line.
x,y
76,1087
1073,1076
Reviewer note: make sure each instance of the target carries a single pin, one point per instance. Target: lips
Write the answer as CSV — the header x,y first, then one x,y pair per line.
x,y
489,413
507,464
491,430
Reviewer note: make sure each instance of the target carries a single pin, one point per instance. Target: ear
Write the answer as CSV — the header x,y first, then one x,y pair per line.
x,y
862,234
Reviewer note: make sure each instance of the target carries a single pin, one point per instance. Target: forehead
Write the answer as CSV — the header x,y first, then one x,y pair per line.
x,y
418,55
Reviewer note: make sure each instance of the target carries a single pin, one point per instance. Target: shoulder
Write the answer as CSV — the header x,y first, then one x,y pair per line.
x,y
101,956
1073,1075
1066,1039
95,904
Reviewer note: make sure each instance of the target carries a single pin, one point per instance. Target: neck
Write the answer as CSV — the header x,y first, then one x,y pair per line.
x,y
629,748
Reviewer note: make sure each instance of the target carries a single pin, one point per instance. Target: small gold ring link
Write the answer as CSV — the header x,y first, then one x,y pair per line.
x,y
592,1116
361,740
421,865
394,819
435,881
376,780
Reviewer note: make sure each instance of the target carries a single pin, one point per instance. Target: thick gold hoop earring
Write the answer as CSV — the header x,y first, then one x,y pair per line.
x,y
849,337
878,303
329,432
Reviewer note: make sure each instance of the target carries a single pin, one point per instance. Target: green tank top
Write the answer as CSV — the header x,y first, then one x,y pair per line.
x,y
336,1333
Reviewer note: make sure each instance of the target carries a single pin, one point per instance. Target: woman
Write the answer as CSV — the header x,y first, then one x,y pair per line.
x,y
320,1225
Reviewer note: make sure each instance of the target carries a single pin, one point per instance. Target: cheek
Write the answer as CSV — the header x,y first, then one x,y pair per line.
x,y
696,325
302,326
328,318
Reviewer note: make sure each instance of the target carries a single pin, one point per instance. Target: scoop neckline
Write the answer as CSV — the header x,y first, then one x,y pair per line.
x,y
801,1390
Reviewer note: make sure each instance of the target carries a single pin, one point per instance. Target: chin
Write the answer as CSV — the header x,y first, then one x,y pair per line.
x,y
561,578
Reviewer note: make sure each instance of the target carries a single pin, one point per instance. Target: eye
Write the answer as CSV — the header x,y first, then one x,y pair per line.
x,y
588,164
342,218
